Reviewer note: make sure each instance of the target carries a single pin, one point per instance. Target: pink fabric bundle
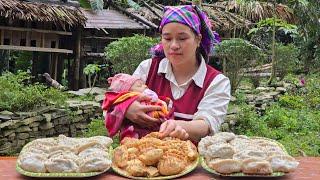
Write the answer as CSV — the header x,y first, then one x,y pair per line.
x,y
121,82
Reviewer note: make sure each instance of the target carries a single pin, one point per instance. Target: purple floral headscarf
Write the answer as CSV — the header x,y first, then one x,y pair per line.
x,y
193,17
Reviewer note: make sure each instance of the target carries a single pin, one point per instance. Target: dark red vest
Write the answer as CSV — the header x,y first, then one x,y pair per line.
x,y
188,103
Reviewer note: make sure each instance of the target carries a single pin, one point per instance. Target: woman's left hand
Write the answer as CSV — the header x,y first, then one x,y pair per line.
x,y
173,129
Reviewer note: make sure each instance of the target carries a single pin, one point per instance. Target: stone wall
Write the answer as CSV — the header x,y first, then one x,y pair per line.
x,y
259,98
19,128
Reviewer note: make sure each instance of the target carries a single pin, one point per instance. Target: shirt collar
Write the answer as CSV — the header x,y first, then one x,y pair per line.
x,y
198,77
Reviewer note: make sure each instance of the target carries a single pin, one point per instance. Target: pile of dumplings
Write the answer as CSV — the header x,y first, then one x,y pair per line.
x,y
66,155
228,153
152,156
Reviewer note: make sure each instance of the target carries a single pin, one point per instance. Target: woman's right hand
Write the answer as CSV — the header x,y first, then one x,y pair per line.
x,y
137,113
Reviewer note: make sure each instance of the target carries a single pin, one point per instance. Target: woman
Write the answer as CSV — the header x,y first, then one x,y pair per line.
x,y
200,93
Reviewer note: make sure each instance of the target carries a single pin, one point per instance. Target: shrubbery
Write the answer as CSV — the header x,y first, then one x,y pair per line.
x,y
18,94
127,53
294,121
238,54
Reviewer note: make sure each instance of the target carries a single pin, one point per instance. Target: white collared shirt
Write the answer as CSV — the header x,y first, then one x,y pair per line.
x,y
213,106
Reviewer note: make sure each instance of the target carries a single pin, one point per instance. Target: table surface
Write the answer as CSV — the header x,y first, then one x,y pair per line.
x,y
309,168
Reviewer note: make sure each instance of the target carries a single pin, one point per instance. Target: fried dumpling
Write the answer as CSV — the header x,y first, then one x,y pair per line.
x,y
152,171
130,142
151,157
191,150
136,168
120,156
282,163
171,166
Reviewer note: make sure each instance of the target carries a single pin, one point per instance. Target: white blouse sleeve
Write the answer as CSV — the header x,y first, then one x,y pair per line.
x,y
142,70
213,107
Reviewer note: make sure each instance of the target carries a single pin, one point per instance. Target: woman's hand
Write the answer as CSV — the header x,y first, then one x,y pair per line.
x,y
173,129
137,113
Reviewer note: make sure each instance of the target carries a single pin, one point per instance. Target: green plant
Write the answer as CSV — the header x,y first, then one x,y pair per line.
x,y
294,121
292,101
281,25
307,13
18,94
126,53
96,5
95,128
286,59
90,70
238,54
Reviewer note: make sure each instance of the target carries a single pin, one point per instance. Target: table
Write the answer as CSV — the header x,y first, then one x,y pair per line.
x,y
309,168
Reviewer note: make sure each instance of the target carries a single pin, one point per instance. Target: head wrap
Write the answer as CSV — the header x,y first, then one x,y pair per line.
x,y
193,17
121,82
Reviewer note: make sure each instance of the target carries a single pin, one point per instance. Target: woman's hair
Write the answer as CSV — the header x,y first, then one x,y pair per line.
x,y
197,21
200,53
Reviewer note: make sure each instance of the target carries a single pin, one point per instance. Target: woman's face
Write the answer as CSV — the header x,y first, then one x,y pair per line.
x,y
179,43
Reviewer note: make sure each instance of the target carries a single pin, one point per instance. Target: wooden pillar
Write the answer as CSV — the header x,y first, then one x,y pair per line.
x,y
55,68
50,64
1,37
60,69
35,61
70,73
76,64
83,83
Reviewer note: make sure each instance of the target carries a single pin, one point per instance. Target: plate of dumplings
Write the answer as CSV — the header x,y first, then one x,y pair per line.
x,y
152,157
227,154
65,157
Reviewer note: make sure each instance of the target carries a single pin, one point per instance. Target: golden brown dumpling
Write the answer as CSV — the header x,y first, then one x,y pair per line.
x,y
171,166
151,157
120,156
136,168
152,171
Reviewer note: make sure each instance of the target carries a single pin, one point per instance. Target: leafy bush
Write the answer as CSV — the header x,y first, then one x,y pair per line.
x,y
16,95
294,121
239,54
126,53
286,59
95,128
292,101
262,34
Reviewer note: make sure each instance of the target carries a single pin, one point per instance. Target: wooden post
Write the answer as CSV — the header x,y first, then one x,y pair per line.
x,y
56,57
42,40
34,64
76,64
83,83
60,69
2,37
50,64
